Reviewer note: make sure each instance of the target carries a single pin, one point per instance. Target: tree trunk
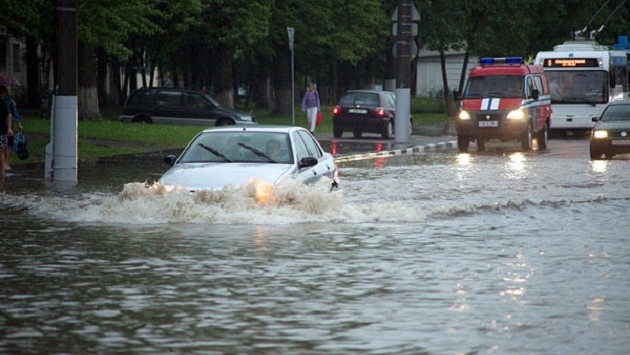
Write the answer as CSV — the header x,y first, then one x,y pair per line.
x,y
87,94
282,85
101,77
32,72
223,90
448,98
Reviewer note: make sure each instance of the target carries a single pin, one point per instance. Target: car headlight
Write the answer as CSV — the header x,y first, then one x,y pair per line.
x,y
600,134
516,115
464,115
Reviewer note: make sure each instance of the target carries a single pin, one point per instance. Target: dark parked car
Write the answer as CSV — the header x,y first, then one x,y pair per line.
x,y
611,134
180,106
360,111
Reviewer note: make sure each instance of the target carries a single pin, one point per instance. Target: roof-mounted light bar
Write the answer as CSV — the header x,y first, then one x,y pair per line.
x,y
502,60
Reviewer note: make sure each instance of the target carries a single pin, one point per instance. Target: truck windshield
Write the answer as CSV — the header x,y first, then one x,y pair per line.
x,y
494,86
584,86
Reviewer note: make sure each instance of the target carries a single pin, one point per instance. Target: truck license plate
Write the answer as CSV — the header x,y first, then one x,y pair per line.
x,y
488,123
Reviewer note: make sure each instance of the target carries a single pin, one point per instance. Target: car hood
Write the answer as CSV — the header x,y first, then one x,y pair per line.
x,y
214,176
621,124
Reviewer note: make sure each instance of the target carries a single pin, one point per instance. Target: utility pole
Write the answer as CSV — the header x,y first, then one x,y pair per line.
x,y
403,71
61,153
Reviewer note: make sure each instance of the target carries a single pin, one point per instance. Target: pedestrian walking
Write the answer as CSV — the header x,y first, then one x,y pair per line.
x,y
5,132
311,105
16,122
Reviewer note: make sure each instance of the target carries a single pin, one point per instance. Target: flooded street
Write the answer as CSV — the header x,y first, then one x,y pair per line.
x,y
437,253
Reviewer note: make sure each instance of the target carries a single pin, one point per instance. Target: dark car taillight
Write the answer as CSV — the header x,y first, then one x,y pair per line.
x,y
379,111
337,111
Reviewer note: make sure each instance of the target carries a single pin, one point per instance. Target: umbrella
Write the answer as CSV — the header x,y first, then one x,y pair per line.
x,y
8,80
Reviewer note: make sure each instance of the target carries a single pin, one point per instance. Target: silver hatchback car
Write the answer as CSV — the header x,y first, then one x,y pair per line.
x,y
233,155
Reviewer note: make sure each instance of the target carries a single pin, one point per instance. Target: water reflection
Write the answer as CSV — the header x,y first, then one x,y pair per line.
x,y
599,166
516,167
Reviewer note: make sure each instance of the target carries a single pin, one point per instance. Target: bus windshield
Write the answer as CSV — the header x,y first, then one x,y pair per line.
x,y
494,86
578,87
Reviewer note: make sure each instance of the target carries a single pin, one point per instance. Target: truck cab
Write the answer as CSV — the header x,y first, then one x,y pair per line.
x,y
507,100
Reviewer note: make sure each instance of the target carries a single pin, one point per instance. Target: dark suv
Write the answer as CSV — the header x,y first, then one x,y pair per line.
x,y
181,106
360,111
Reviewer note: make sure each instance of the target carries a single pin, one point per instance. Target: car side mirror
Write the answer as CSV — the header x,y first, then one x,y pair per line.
x,y
595,119
170,160
307,162
535,94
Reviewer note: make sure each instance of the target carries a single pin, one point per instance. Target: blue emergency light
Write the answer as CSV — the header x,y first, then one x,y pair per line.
x,y
503,60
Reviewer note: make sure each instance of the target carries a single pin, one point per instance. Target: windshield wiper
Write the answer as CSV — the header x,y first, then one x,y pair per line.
x,y
215,152
257,152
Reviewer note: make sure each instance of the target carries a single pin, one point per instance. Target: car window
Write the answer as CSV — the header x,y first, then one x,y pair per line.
x,y
300,147
195,101
168,98
359,98
616,113
138,98
311,145
239,147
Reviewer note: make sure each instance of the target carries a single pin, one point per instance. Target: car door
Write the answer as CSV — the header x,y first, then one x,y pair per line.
x,y
168,107
200,110
307,146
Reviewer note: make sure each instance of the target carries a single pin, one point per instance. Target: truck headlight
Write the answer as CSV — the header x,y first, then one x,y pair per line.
x,y
600,134
464,115
516,115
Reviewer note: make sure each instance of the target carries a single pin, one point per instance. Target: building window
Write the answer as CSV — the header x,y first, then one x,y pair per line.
x,y
3,55
17,63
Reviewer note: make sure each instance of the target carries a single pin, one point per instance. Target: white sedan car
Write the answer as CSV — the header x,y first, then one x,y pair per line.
x,y
233,155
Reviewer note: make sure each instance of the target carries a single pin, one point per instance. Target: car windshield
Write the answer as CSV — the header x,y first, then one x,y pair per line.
x,y
494,86
359,99
239,147
617,113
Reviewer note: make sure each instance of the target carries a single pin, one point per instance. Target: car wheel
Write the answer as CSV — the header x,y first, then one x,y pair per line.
x,y
526,139
225,122
462,144
608,156
387,130
357,134
543,138
481,145
595,154
337,132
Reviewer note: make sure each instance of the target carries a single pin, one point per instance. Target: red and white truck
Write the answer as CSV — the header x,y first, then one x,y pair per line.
x,y
507,100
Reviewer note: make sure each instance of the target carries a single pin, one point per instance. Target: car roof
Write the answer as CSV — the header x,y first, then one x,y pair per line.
x,y
367,91
625,101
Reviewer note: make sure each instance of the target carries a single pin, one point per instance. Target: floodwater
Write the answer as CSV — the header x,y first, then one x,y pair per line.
x,y
438,253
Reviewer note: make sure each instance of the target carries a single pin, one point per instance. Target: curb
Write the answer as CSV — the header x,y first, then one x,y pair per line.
x,y
395,152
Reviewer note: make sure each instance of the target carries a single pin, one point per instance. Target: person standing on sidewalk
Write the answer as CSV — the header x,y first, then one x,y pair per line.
x,y
311,105
16,122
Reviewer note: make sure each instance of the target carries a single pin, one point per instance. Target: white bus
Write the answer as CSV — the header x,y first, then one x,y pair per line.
x,y
583,77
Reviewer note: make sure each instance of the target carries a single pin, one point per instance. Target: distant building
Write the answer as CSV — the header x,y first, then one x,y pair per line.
x,y
12,57
429,71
